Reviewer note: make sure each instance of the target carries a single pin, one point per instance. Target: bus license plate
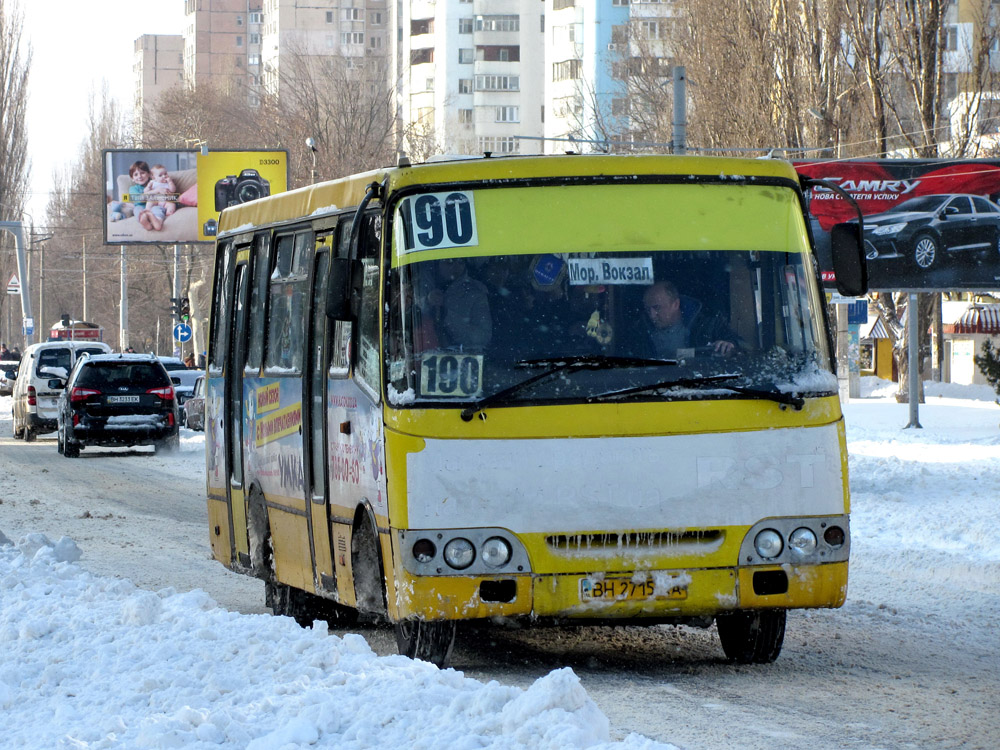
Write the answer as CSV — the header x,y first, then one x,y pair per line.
x,y
625,589
123,399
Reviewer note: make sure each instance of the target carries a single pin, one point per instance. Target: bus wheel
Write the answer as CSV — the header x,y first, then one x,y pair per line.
x,y
427,641
752,637
290,602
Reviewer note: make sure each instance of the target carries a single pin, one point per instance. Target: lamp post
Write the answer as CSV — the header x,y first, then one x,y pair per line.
x,y
311,144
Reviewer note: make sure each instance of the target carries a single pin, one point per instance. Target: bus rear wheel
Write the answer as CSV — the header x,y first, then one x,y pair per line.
x,y
427,641
752,637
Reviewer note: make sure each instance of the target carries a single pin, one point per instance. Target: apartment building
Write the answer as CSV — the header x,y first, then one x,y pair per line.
x,y
470,76
222,44
592,48
158,65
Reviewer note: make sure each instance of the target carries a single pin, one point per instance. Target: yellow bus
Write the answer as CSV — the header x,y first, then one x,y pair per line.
x,y
565,389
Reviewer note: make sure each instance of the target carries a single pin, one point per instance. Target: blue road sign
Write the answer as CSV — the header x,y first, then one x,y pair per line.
x,y
182,332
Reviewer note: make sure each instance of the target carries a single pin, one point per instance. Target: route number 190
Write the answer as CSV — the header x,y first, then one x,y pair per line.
x,y
431,221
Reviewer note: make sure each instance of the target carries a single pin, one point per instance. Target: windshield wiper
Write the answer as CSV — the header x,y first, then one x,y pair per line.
x,y
796,402
557,365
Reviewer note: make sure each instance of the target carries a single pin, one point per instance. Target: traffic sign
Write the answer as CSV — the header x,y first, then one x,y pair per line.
x,y
14,285
182,332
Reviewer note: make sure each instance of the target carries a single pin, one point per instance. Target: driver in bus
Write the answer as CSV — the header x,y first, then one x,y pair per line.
x,y
677,322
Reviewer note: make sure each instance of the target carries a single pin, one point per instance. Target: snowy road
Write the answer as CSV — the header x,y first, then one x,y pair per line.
x,y
911,661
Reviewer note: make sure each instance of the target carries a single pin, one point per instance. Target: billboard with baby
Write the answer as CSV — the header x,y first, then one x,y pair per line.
x,y
156,196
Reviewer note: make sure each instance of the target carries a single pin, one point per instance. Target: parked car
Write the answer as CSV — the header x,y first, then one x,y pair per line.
x,y
184,381
35,400
926,229
117,400
194,407
8,374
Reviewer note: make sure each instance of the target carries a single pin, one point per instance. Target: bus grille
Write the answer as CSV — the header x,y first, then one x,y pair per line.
x,y
662,542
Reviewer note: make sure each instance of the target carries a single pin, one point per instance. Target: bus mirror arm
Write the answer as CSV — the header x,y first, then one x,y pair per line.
x,y
847,245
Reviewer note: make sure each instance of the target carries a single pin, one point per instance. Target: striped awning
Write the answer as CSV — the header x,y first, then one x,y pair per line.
x,y
979,319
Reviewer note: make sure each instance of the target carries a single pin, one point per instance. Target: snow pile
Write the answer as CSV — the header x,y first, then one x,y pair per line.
x,y
92,662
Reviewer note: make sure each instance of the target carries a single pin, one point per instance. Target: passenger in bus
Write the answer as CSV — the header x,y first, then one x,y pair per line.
x,y
462,306
678,322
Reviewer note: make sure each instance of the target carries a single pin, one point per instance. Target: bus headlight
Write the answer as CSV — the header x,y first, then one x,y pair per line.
x,y
496,552
424,550
768,544
459,553
802,541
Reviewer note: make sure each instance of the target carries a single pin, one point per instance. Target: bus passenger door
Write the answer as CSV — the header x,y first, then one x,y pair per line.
x,y
234,411
314,435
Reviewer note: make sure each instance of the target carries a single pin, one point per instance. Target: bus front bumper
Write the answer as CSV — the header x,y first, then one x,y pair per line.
x,y
628,596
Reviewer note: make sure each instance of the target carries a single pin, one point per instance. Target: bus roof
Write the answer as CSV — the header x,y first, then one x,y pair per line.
x,y
327,197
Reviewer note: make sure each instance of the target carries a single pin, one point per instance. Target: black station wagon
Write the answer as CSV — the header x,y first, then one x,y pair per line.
x,y
117,400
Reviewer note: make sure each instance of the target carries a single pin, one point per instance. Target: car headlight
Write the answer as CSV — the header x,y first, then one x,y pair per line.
x,y
802,541
889,229
496,552
768,544
459,553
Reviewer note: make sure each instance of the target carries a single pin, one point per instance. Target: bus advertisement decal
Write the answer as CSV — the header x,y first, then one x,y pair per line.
x,y
278,424
433,221
268,397
589,271
451,374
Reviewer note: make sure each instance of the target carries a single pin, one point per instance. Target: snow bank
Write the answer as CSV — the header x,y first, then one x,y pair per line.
x,y
92,662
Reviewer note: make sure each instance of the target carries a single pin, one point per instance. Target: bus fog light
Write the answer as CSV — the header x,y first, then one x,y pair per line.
x,y
802,541
834,536
459,553
496,552
424,550
768,544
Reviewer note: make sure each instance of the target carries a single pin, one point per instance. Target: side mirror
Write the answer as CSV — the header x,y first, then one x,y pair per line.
x,y
849,264
338,294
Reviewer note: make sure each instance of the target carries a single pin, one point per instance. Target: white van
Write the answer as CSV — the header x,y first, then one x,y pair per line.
x,y
34,401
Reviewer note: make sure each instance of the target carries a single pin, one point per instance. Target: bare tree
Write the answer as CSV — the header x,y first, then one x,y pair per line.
x,y
344,104
15,64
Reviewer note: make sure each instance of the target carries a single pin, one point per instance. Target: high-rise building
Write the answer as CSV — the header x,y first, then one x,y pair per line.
x,y
592,50
158,65
354,30
469,76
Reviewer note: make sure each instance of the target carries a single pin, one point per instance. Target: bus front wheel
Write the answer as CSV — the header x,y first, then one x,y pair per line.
x,y
753,636
427,641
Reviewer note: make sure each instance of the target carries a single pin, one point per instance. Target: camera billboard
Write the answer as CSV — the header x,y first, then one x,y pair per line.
x,y
160,196
929,225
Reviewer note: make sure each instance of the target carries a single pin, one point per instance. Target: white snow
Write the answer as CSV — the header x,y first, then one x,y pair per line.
x,y
91,661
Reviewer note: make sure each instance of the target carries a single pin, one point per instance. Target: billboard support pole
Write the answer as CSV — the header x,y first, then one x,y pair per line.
x,y
123,310
177,289
913,343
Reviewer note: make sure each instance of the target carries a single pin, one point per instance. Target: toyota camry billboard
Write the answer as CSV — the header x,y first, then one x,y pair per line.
x,y
157,196
929,225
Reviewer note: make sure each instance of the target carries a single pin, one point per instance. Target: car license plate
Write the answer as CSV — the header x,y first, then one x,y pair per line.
x,y
613,588
123,399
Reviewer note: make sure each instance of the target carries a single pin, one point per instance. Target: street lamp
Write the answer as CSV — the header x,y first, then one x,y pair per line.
x,y
311,144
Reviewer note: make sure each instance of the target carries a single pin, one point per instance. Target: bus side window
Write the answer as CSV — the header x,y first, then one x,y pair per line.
x,y
258,295
222,294
368,368
285,317
340,353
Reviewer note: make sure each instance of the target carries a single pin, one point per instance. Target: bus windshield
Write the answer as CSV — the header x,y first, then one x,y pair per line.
x,y
618,300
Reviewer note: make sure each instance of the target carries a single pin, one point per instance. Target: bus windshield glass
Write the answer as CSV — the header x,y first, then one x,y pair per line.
x,y
603,292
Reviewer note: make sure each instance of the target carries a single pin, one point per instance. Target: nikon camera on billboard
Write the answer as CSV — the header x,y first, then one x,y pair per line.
x,y
234,178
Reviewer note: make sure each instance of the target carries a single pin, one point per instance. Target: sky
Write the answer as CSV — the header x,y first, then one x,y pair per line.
x,y
76,48
96,662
